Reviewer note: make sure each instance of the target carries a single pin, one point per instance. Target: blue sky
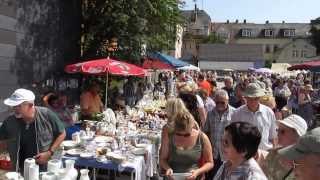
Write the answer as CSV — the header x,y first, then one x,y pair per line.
x,y
258,11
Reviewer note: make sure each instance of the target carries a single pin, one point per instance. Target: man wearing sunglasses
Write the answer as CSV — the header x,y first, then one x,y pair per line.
x,y
305,156
217,120
32,131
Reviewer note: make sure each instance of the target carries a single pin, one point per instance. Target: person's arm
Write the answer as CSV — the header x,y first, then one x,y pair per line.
x,y
203,116
207,157
273,130
164,154
3,137
59,135
302,99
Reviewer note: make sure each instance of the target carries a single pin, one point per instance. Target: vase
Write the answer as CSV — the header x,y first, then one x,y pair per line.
x,y
84,174
72,173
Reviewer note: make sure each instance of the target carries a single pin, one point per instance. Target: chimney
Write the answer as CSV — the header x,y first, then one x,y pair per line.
x,y
267,21
237,21
228,21
244,21
283,22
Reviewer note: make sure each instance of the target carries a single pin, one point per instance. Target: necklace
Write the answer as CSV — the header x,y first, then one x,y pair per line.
x,y
27,126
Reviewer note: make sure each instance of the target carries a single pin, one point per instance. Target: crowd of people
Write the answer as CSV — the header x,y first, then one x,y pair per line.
x,y
257,126
253,126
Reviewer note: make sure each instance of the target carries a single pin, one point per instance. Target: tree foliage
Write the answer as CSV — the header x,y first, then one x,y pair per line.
x,y
133,22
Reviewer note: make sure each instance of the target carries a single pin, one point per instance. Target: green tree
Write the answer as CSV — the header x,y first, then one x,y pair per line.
x,y
315,33
213,38
133,22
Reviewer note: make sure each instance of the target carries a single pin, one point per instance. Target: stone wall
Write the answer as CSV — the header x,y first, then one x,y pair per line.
x,y
37,38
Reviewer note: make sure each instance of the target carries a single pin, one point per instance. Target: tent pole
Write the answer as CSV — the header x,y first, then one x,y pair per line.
x,y
106,100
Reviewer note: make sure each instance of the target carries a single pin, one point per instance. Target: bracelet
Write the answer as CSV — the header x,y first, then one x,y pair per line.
x,y
51,152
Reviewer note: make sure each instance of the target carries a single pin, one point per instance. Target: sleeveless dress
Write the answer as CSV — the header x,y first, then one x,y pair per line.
x,y
184,160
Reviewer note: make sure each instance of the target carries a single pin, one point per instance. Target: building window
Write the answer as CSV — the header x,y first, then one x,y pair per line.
x,y
276,47
304,53
246,32
289,33
295,53
268,32
267,49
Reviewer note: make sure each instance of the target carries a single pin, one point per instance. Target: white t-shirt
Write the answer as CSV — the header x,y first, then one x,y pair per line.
x,y
264,119
200,103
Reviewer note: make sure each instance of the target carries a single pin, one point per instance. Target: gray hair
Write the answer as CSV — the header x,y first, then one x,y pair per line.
x,y
228,78
221,93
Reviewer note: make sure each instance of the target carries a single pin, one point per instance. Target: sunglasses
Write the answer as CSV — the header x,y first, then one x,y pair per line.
x,y
183,134
281,131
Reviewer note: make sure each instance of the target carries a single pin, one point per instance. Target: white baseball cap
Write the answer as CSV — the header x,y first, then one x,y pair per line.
x,y
295,122
19,96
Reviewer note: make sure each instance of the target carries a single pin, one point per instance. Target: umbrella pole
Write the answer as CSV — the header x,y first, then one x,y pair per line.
x,y
105,105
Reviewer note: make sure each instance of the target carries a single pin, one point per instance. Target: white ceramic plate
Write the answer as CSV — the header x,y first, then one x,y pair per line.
x,y
86,155
103,139
139,151
69,144
74,152
180,176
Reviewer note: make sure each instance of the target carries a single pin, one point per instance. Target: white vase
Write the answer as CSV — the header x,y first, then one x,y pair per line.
x,y
84,174
62,174
72,173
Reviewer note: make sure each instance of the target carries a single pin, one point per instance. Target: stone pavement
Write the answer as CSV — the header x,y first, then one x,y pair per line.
x,y
2,173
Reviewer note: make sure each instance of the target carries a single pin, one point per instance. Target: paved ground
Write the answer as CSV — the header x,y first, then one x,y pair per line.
x,y
2,173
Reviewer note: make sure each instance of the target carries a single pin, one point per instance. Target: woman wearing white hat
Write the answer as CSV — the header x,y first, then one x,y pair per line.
x,y
289,131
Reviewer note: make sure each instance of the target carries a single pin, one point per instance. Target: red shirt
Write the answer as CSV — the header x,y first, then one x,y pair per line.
x,y
205,85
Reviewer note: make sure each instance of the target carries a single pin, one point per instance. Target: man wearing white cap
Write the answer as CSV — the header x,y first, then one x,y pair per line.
x,y
289,131
31,131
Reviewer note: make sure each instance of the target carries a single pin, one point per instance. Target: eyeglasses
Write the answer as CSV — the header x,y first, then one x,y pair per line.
x,y
295,164
281,131
225,142
183,135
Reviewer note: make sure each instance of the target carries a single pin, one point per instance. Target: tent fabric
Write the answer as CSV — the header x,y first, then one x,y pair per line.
x,y
280,67
309,65
167,59
190,67
155,64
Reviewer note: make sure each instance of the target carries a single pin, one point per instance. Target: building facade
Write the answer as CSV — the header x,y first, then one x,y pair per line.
x,y
197,26
230,56
281,42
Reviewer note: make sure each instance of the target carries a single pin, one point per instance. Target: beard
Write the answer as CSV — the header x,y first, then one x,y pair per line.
x,y
18,115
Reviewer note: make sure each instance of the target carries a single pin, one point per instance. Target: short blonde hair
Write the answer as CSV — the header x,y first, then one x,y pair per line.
x,y
268,101
183,121
173,106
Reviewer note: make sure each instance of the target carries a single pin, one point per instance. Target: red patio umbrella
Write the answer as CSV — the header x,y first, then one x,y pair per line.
x,y
306,65
105,66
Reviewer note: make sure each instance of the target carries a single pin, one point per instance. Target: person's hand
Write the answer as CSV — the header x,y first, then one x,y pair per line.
x,y
169,173
194,175
43,158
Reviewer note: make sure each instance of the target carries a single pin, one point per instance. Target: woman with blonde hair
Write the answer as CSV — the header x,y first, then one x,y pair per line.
x,y
186,149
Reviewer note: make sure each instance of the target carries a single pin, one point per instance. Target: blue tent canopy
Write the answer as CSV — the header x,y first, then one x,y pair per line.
x,y
168,59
